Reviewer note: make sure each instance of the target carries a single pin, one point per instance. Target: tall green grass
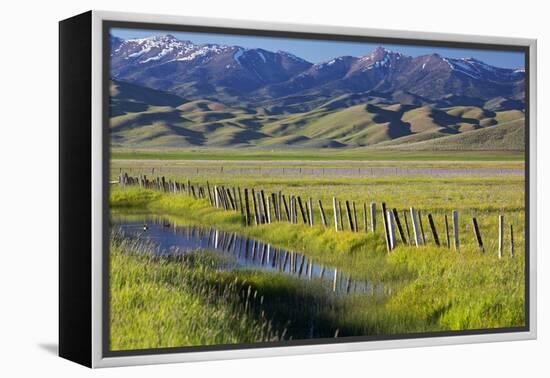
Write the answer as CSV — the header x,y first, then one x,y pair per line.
x,y
162,303
428,289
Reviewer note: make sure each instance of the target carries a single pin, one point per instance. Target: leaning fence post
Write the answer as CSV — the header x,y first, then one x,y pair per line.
x,y
285,205
241,201
365,216
280,206
350,220
235,199
275,207
335,209
261,210
216,197
416,231
434,232
302,212
264,207
341,216
391,230
295,205
323,219
500,235
268,209
455,229
209,193
447,232
255,206
478,235
406,221
386,230
247,208
229,196
399,228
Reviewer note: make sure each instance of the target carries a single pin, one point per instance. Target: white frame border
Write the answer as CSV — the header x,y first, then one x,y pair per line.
x,y
97,188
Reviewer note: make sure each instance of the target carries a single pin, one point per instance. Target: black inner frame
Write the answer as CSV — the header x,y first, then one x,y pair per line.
x,y
108,24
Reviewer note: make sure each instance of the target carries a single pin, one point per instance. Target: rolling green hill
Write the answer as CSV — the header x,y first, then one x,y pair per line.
x,y
142,117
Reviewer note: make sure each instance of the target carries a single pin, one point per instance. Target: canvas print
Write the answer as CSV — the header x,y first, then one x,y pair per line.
x,y
277,190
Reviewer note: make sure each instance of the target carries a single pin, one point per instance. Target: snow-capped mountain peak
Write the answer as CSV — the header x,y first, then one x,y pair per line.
x,y
165,62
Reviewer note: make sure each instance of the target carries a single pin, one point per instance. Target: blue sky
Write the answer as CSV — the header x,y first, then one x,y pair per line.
x,y
318,51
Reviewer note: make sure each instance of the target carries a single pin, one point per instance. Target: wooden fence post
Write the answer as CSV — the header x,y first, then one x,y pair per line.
x,y
261,210
286,208
399,228
247,208
209,193
304,218
341,216
221,194
335,209
447,232
255,206
241,201
350,220
280,201
406,221
373,216
275,206
264,205
231,200
294,210
500,235
455,229
386,230
268,209
478,235
323,219
216,197
291,208
416,231
434,231
391,230
225,198
235,199
365,216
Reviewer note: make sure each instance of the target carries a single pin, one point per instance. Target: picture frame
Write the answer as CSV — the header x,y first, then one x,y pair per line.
x,y
86,179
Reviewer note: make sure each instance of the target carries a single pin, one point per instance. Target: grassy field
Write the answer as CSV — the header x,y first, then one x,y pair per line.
x,y
428,289
353,154
158,303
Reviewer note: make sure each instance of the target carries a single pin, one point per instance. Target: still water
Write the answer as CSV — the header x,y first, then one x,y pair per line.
x,y
169,238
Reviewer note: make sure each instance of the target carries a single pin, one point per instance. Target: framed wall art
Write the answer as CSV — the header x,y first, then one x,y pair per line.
x,y
232,189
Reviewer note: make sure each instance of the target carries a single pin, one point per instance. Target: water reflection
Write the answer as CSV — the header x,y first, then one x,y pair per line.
x,y
245,253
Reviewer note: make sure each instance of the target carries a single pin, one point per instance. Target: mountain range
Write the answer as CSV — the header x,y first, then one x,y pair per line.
x,y
168,92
